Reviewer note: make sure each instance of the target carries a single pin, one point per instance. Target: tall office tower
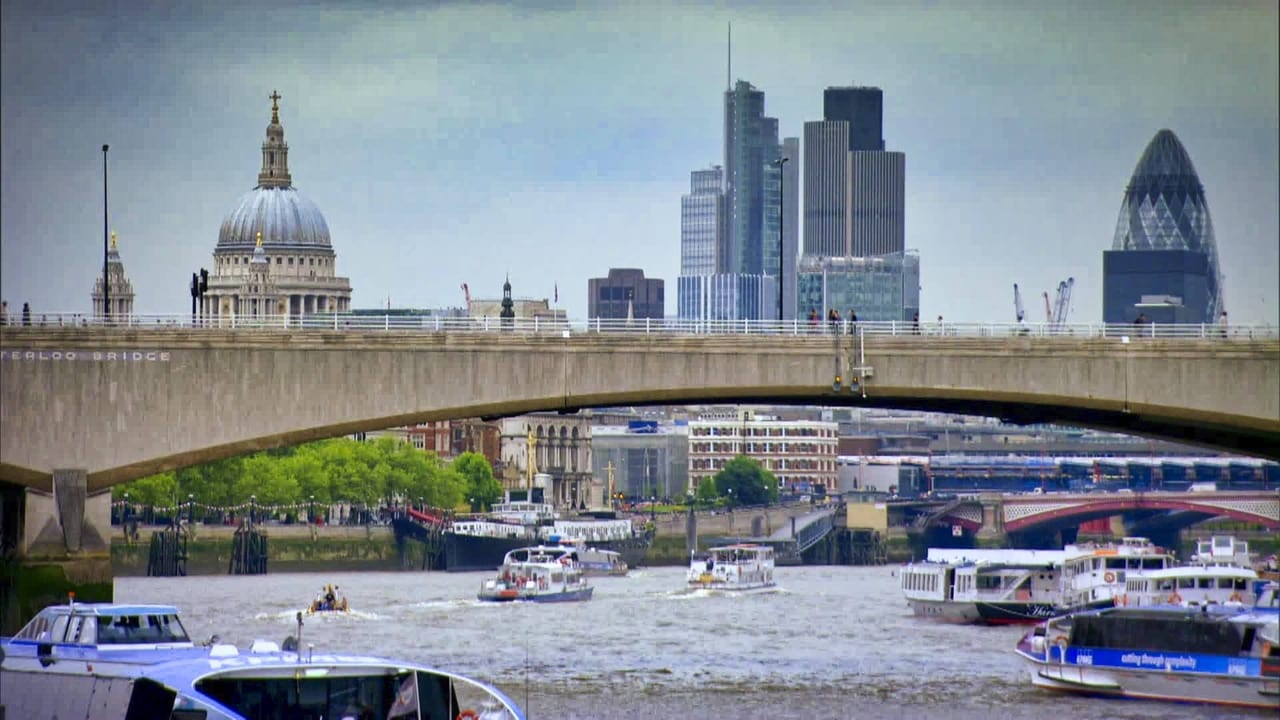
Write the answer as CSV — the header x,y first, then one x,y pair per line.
x,y
855,191
854,224
1163,262
863,109
750,145
702,223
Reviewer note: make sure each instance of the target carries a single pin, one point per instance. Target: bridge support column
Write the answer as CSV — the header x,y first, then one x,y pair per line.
x,y
52,544
992,518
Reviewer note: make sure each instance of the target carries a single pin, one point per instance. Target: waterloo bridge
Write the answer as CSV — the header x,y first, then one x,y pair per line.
x,y
87,407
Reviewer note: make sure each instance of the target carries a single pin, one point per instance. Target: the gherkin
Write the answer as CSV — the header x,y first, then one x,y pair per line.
x,y
1163,263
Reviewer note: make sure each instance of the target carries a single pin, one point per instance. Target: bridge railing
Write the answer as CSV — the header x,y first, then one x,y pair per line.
x,y
433,323
809,535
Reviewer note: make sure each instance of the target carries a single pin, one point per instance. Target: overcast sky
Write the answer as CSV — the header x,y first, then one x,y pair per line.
x,y
459,142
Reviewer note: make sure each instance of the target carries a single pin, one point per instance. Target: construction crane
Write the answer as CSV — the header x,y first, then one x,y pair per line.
x,y
1062,304
1017,303
466,295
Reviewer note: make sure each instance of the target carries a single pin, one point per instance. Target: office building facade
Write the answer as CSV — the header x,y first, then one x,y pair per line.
x,y
625,294
878,288
801,454
1163,262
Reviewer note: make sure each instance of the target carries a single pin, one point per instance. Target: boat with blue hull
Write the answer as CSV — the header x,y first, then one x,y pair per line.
x,y
1222,654
137,662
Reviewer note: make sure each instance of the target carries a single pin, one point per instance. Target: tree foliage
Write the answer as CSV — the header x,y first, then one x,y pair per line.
x,y
746,482
339,470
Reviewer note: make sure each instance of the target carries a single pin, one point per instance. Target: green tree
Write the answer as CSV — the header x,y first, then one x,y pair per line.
x,y
707,493
476,471
159,490
746,482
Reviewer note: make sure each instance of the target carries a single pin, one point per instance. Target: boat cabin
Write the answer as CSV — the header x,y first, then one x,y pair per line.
x,y
106,625
1190,585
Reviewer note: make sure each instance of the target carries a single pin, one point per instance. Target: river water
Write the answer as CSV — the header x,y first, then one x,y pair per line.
x,y
837,642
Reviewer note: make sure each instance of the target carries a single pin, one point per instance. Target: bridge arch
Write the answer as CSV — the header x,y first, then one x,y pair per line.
x,y
1250,509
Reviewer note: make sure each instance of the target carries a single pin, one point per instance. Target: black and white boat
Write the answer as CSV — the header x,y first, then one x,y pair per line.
x,y
1019,587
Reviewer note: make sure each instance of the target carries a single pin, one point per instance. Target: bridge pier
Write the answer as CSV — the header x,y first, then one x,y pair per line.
x,y
52,544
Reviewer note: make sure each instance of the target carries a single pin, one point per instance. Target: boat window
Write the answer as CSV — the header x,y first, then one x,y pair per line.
x,y
1115,563
82,630
59,630
1153,563
1224,583
39,625
1166,584
1186,583
130,629
1204,583
1240,584
557,577
1168,633
372,696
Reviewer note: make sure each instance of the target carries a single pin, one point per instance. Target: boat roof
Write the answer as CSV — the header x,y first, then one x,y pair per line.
x,y
110,609
1181,571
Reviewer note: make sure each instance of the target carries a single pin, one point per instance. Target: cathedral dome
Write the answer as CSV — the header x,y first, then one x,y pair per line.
x,y
283,216
286,219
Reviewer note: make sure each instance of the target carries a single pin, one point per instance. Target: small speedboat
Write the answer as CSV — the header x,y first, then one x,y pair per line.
x,y
543,573
109,660
330,600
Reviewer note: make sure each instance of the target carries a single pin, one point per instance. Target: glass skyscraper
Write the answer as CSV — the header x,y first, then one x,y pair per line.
x,y
702,223
750,147
1163,262
726,296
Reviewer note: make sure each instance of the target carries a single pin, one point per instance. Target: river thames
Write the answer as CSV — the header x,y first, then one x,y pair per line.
x,y
836,642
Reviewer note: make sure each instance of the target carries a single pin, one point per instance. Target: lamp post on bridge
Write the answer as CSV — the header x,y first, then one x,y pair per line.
x,y
253,509
191,509
311,509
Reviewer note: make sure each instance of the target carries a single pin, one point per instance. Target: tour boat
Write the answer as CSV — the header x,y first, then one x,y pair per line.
x,y
1190,585
117,660
595,562
741,568
480,542
543,573
1218,654
1010,586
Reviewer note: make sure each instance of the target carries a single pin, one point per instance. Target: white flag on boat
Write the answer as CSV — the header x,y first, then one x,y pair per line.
x,y
406,698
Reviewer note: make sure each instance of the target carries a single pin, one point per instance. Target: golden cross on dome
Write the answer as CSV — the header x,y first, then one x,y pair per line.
x,y
259,244
113,239
275,106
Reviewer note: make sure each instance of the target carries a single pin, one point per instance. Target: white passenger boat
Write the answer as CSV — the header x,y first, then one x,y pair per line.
x,y
1190,585
1208,654
594,561
126,661
544,573
1010,586
742,568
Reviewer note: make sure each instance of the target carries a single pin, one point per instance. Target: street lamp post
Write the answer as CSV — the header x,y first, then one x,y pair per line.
x,y
311,509
106,299
253,509
782,218
653,508
191,509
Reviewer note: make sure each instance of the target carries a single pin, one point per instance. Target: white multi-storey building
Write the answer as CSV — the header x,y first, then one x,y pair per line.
x,y
800,453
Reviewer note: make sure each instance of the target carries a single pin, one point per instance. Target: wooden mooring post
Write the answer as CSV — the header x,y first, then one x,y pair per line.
x,y
248,551
168,554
